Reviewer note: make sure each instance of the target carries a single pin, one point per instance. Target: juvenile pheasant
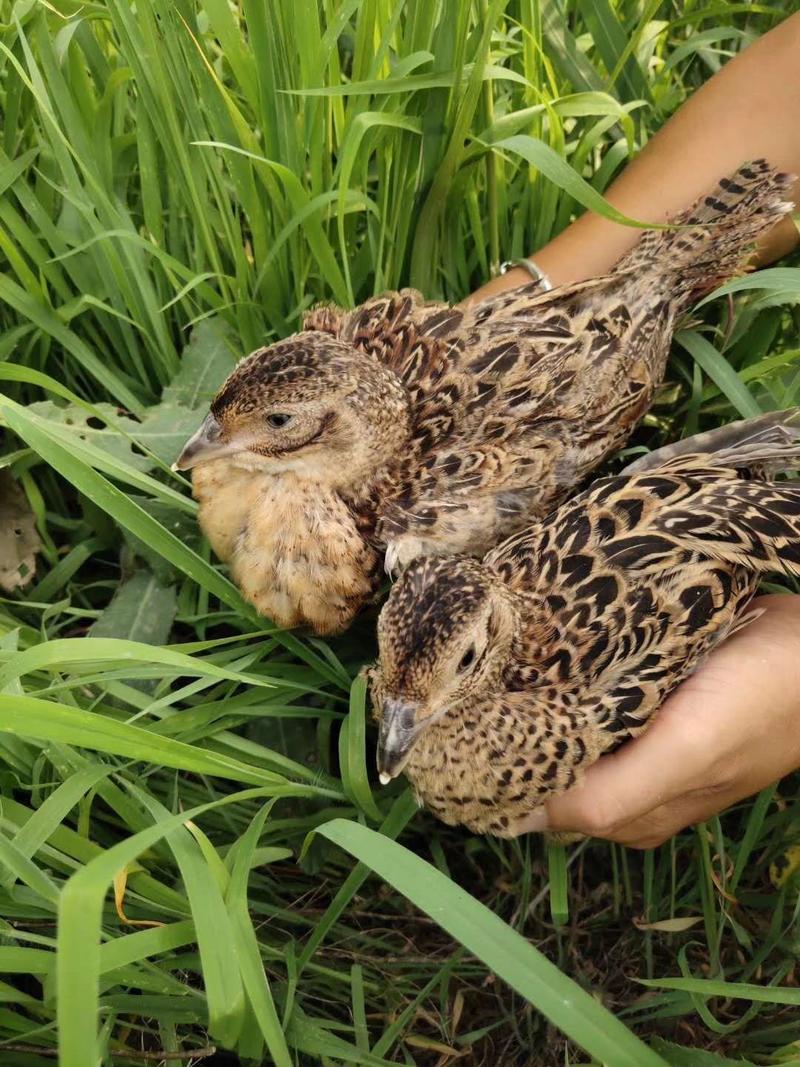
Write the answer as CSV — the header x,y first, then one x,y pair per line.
x,y
499,682
405,428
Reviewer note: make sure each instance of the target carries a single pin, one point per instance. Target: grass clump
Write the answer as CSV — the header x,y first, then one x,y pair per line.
x,y
178,181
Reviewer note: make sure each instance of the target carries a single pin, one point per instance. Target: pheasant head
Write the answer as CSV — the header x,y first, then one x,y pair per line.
x,y
310,404
445,638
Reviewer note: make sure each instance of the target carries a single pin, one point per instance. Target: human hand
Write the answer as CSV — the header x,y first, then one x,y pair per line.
x,y
725,733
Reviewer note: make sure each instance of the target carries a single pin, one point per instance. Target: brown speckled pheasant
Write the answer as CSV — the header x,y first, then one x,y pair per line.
x,y
499,682
405,428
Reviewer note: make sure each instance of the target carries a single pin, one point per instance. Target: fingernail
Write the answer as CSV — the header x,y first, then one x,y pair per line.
x,y
534,823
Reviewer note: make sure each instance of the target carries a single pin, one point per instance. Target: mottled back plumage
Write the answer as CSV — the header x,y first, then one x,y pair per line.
x,y
612,600
428,429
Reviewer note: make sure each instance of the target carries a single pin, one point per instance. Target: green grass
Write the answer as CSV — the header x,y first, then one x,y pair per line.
x,y
178,181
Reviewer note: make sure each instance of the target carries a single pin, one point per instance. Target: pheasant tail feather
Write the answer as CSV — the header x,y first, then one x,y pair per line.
x,y
769,442
716,234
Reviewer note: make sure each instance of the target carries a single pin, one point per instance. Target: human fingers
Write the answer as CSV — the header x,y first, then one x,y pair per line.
x,y
664,822
625,786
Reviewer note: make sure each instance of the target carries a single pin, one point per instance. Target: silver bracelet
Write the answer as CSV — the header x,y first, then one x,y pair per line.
x,y
528,265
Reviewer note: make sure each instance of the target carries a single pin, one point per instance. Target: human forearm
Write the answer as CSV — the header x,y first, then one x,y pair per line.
x,y
747,111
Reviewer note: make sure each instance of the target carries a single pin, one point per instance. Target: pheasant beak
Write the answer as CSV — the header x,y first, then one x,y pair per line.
x,y
203,445
396,736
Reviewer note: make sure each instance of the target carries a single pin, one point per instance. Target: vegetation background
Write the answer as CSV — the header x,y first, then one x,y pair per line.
x,y
178,181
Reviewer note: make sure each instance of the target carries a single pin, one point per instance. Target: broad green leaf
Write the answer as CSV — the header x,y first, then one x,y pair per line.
x,y
165,429
142,610
206,362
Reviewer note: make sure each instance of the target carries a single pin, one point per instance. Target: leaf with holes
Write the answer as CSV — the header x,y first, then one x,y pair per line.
x,y
165,428
70,421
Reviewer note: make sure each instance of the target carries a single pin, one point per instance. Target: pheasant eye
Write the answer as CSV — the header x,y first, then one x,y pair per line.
x,y
278,419
467,660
